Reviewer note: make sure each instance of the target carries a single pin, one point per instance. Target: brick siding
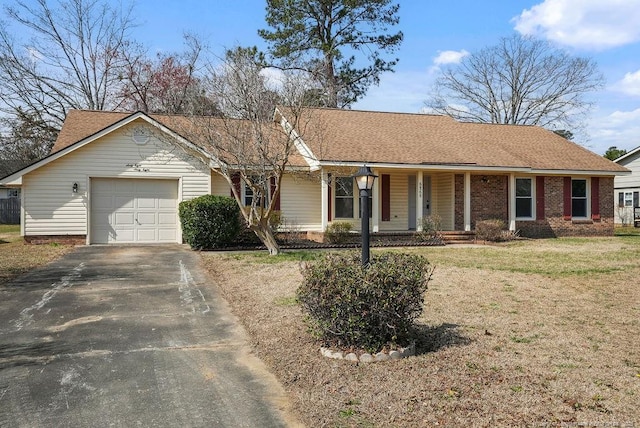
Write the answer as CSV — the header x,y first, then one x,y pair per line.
x,y
490,193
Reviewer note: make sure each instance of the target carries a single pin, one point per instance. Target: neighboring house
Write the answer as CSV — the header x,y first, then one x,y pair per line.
x,y
627,188
9,196
117,177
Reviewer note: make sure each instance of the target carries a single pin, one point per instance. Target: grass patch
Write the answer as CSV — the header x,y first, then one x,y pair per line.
x,y
285,256
17,258
9,228
626,231
529,333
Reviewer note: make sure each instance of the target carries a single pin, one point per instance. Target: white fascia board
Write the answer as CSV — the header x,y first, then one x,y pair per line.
x,y
298,142
473,168
627,155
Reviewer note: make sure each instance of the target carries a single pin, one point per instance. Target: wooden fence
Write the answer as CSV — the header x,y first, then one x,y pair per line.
x,y
10,211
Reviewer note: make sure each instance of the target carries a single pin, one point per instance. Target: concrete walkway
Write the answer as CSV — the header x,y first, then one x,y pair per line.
x,y
128,336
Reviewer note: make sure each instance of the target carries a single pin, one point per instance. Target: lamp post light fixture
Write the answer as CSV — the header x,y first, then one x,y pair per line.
x,y
364,178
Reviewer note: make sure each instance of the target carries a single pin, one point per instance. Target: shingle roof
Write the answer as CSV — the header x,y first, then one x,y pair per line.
x,y
401,138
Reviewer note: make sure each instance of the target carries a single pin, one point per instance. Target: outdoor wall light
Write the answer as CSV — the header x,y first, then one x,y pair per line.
x,y
75,187
364,178
485,179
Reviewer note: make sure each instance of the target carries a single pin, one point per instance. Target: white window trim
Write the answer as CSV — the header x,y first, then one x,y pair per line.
x,y
630,200
588,198
533,199
335,197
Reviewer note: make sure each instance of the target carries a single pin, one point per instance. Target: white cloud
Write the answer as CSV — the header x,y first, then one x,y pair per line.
x,y
630,84
587,24
450,57
620,129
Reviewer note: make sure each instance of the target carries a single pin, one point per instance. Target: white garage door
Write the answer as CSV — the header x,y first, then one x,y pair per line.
x,y
133,211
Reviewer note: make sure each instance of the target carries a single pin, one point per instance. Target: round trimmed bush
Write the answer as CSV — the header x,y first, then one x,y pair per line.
x,y
210,221
364,307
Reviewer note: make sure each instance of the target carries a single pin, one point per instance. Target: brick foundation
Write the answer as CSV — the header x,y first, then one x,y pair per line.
x,y
59,239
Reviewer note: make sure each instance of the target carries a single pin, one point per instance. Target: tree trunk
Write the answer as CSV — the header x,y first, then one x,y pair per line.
x,y
265,234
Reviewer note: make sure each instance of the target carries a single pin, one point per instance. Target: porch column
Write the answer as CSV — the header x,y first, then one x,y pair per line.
x,y
467,201
324,195
419,200
375,203
512,202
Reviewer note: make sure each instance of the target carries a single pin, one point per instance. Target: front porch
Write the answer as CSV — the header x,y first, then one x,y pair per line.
x,y
401,198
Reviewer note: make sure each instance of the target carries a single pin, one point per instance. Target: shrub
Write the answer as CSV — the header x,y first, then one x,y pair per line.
x,y
338,232
367,308
209,221
490,230
431,230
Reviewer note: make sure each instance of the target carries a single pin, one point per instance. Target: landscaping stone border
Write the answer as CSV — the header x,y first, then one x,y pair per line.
x,y
395,354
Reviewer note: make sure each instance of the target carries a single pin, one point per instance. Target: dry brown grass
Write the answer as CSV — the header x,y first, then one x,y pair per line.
x,y
540,333
16,257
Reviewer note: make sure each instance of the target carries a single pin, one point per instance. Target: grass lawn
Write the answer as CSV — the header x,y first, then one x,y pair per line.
x,y
531,333
16,257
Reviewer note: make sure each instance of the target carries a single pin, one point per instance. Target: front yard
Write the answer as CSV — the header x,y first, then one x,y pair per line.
x,y
532,333
16,257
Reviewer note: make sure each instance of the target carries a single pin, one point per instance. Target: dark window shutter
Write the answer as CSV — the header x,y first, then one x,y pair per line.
x,y
235,181
567,198
595,198
272,190
330,196
621,199
385,182
636,199
540,198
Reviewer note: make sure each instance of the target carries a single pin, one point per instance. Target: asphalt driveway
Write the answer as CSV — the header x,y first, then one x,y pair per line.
x,y
128,336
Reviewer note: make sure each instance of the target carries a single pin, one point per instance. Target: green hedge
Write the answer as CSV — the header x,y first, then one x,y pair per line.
x,y
210,221
366,308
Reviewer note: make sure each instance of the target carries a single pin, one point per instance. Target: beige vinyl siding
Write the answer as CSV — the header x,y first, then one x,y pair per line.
x,y
301,202
399,202
219,186
51,208
443,194
632,180
626,183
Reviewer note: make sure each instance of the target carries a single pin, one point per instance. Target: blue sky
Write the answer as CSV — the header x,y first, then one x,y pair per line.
x,y
437,32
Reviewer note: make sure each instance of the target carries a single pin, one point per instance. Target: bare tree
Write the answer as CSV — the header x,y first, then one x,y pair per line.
x,y
27,139
253,147
169,84
72,59
518,81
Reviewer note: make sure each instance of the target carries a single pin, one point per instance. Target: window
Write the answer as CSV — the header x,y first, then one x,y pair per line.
x,y
344,197
524,198
579,198
13,193
248,194
628,199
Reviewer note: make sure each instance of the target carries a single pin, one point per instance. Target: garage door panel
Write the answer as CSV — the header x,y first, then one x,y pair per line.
x,y
134,210
124,186
166,218
146,235
147,202
167,203
147,219
167,235
123,219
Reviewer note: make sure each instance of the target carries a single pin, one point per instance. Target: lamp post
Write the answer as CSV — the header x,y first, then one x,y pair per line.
x,y
364,178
